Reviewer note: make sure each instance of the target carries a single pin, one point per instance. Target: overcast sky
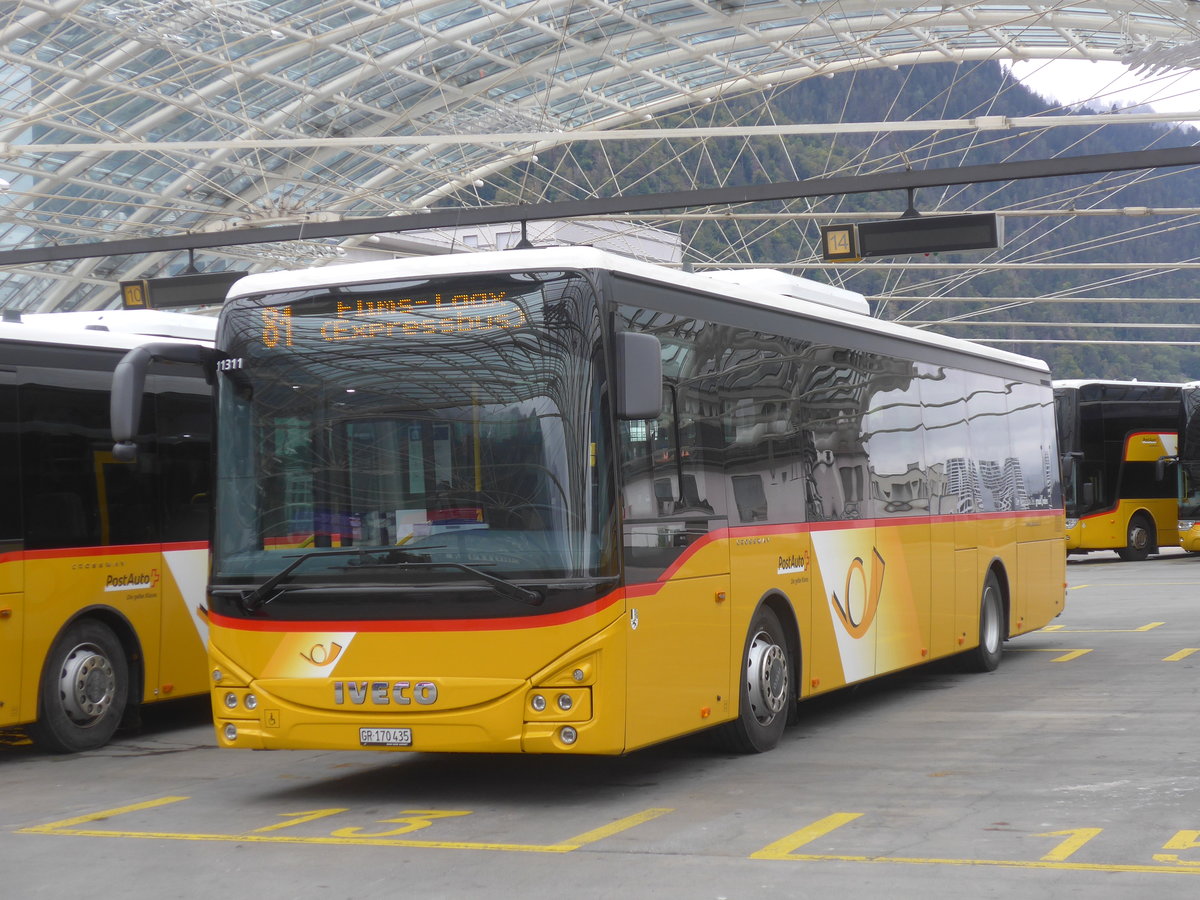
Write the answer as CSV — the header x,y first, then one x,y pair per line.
x,y
1073,81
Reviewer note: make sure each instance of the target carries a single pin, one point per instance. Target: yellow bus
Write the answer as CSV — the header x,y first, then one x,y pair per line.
x,y
103,565
560,501
1189,469
1119,441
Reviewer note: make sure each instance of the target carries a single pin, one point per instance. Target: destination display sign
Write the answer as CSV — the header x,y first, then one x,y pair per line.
x,y
395,316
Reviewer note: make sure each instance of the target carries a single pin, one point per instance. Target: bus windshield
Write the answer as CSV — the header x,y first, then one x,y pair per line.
x,y
451,423
1189,454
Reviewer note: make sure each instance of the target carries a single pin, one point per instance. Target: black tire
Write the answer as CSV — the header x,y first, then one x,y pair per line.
x,y
767,690
986,656
1141,537
84,690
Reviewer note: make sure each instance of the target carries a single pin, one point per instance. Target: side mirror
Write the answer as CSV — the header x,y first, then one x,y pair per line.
x,y
638,376
1160,466
129,383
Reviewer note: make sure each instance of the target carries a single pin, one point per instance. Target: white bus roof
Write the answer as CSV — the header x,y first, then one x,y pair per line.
x,y
577,258
1080,382
120,329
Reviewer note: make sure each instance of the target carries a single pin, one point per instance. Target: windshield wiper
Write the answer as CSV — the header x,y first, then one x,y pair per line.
x,y
258,598
503,587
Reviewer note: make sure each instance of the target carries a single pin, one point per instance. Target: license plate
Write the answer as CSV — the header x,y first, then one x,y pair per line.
x,y
385,737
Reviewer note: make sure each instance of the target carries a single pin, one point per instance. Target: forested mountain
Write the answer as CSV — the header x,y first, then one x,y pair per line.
x,y
946,91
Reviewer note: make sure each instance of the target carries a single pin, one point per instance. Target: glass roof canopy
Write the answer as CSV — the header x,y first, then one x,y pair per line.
x,y
144,118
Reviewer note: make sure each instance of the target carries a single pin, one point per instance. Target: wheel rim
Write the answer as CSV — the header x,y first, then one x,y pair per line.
x,y
87,684
766,677
990,636
1139,536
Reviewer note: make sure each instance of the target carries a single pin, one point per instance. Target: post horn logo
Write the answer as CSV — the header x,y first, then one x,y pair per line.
x,y
857,624
320,655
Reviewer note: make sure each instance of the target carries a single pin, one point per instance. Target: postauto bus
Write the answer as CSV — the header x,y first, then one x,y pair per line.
x,y
559,501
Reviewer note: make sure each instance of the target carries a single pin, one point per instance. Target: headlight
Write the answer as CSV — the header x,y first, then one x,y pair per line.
x,y
1187,524
1071,523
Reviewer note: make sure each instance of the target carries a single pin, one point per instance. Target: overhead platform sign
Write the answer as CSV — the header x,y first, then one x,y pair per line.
x,y
203,289
913,234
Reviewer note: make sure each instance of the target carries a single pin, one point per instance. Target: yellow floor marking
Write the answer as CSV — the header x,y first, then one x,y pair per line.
x,y
1067,655
1180,869
300,818
589,837
69,827
1182,654
782,849
1061,629
66,824
1076,838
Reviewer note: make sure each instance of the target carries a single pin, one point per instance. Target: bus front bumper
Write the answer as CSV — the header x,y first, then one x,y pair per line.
x,y
1189,535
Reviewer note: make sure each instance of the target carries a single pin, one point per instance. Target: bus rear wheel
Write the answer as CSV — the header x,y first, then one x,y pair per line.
x,y
1140,539
84,689
766,691
986,656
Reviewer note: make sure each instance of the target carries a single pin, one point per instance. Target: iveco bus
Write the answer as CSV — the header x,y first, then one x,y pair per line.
x,y
556,500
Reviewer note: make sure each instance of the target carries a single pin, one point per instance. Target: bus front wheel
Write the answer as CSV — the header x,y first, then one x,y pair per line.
x,y
1140,538
84,689
766,690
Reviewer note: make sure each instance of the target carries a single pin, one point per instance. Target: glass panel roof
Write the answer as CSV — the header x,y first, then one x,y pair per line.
x,y
148,118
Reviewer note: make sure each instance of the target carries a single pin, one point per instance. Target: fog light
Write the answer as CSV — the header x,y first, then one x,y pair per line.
x,y
538,703
251,702
577,674
568,735
565,702
230,732
231,700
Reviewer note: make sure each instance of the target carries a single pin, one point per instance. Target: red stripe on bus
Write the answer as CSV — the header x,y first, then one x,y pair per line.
x,y
632,591
85,552
540,621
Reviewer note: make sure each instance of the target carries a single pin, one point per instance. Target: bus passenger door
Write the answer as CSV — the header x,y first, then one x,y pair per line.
x,y
183,415
12,566
676,561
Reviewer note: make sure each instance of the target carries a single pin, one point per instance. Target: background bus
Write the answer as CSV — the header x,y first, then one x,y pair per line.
x,y
561,501
1189,469
102,564
1118,441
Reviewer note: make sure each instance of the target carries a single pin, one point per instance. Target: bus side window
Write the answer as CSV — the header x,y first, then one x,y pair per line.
x,y
10,468
999,485
648,462
183,452
60,429
701,449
